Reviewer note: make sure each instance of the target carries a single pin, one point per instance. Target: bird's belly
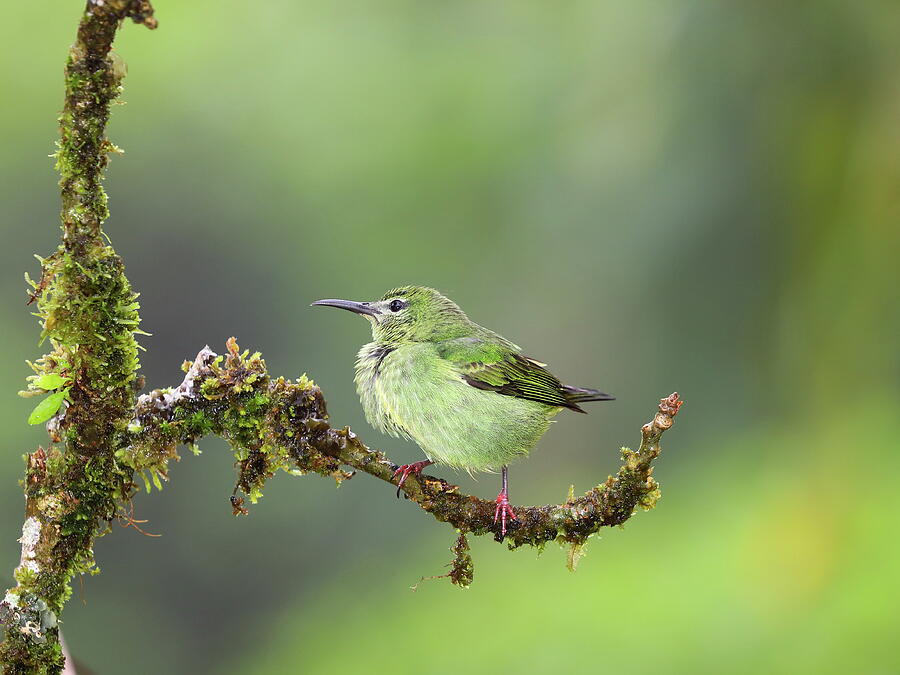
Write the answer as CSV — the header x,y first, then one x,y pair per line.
x,y
455,423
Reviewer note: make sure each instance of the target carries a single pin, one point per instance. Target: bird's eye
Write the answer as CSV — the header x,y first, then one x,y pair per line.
x,y
396,305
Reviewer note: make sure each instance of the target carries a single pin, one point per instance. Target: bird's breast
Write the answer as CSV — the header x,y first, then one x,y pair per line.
x,y
413,392
371,366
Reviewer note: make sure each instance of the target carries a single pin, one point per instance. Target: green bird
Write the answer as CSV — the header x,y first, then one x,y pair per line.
x,y
465,394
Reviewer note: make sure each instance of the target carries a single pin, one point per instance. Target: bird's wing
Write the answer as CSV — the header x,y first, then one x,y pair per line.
x,y
490,366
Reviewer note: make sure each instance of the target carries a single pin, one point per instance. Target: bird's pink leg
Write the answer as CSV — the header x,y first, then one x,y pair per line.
x,y
503,508
406,469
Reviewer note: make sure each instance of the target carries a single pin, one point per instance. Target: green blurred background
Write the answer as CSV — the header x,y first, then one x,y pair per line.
x,y
649,196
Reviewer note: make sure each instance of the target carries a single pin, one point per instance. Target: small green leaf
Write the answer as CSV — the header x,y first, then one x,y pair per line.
x,y
50,381
47,408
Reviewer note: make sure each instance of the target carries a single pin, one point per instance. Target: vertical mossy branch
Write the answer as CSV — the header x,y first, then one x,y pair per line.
x,y
93,80
89,316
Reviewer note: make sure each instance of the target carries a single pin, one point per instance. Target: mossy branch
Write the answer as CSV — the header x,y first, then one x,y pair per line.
x,y
89,315
273,425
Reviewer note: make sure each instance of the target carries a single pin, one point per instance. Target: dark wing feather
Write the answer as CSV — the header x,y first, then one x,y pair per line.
x,y
496,367
580,394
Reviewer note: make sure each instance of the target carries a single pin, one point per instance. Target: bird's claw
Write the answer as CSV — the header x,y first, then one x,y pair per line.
x,y
404,471
502,511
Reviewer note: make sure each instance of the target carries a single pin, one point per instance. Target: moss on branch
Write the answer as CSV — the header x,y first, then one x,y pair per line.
x,y
274,425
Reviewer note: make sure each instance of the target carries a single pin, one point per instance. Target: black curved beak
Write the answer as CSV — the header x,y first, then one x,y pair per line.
x,y
357,307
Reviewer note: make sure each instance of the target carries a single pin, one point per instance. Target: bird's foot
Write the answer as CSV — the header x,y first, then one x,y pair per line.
x,y
406,469
503,511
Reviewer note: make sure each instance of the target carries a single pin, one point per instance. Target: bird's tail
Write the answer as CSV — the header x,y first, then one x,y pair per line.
x,y
576,395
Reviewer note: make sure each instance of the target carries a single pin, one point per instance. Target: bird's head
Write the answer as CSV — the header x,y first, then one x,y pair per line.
x,y
409,314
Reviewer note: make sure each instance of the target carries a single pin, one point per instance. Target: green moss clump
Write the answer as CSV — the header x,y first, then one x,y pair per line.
x,y
462,571
271,425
